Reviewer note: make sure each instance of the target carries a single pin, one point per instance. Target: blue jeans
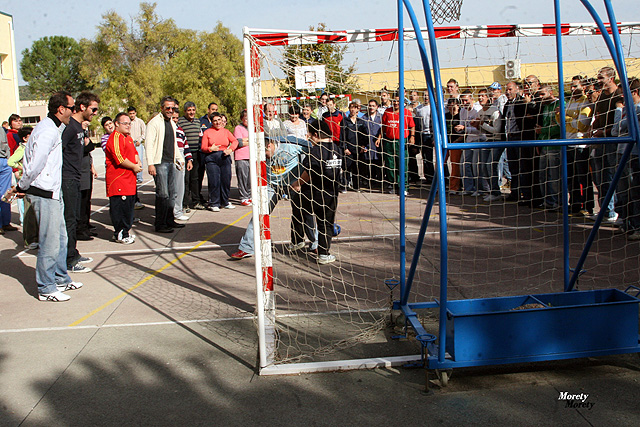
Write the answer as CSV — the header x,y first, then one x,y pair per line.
x,y
5,184
165,189
503,167
218,167
470,170
489,165
51,264
246,243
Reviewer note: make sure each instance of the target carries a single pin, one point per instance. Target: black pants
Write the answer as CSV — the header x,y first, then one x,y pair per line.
x,y
192,184
302,221
371,171
121,212
324,207
202,170
521,166
414,174
426,149
71,198
579,180
85,210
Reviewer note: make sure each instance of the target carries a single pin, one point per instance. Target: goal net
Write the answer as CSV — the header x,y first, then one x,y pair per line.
x,y
503,206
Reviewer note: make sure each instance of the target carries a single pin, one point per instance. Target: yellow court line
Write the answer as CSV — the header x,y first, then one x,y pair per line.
x,y
156,272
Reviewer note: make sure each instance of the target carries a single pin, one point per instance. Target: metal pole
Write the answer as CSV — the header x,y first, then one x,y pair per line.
x,y
401,147
563,153
436,121
253,156
440,142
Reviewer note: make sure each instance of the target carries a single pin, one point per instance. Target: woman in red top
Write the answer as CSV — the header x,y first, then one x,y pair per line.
x,y
217,145
122,165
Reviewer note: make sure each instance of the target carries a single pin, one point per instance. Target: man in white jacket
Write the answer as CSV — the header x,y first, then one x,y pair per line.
x,y
163,157
41,182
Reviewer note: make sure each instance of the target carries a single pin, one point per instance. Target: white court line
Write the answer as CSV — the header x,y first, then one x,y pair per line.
x,y
182,322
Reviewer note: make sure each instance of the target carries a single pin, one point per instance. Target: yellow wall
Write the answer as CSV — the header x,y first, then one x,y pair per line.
x,y
477,77
9,78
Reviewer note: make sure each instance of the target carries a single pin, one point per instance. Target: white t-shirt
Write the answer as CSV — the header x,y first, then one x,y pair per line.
x,y
299,130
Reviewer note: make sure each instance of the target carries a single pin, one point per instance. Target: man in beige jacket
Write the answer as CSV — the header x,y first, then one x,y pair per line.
x,y
164,159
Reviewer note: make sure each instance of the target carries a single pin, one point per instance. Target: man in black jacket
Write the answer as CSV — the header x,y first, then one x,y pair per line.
x,y
73,146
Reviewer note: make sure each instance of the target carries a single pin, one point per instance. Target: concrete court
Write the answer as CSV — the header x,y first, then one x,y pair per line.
x,y
160,337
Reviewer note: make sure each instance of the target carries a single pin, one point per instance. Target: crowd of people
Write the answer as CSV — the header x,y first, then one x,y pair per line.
x,y
49,171
312,156
531,111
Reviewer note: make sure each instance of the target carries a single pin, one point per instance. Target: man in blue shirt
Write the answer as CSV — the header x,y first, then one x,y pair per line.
x,y
283,167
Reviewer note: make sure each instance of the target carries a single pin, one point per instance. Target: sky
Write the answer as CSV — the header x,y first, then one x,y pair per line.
x,y
34,19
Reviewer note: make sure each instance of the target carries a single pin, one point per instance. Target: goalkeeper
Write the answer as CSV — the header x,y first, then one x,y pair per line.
x,y
322,168
283,167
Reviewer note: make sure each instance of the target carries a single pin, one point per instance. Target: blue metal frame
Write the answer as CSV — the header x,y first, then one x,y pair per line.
x,y
436,357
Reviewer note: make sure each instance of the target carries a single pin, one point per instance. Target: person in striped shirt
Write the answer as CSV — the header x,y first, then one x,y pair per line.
x,y
183,147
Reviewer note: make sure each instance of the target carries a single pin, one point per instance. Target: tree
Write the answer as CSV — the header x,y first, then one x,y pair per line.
x,y
139,64
53,64
340,80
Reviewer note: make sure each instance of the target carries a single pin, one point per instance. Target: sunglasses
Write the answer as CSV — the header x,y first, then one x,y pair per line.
x,y
72,108
94,110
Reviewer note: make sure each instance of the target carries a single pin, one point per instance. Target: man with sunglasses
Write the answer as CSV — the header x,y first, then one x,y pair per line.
x,y
163,158
41,182
73,149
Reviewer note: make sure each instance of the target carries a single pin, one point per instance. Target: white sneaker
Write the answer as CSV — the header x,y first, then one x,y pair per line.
x,y
292,248
182,218
214,209
230,206
614,220
326,259
71,286
475,193
126,240
56,296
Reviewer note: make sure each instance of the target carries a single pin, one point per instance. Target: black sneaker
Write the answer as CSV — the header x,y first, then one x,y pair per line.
x,y
78,268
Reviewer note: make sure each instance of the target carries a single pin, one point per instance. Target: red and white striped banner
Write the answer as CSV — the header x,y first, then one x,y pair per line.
x,y
298,98
281,38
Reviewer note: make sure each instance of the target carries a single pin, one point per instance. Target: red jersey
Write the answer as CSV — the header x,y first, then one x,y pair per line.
x,y
334,121
391,123
120,180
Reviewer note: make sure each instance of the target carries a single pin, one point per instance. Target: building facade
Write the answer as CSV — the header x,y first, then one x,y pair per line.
x,y
8,69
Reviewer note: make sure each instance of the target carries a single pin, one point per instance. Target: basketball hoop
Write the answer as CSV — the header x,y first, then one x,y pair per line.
x,y
445,10
310,77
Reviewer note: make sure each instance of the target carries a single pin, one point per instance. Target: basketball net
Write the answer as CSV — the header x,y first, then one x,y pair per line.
x,y
445,10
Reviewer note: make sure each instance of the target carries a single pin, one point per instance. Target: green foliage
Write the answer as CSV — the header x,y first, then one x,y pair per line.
x,y
53,64
340,80
26,94
139,64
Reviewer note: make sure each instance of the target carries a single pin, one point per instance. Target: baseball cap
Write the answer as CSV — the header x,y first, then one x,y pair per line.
x,y
496,85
